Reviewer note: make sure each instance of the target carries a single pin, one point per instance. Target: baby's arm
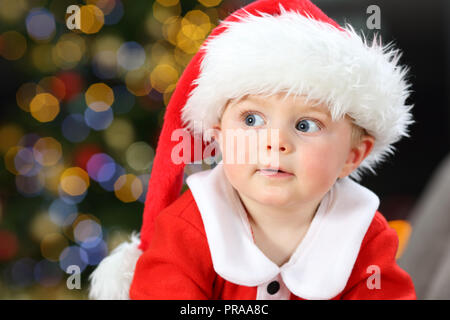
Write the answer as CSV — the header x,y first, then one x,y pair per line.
x,y
376,274
177,264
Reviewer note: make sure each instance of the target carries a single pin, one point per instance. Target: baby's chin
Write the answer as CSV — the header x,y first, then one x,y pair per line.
x,y
273,196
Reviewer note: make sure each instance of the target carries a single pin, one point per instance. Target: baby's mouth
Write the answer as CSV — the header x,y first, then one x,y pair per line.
x,y
274,172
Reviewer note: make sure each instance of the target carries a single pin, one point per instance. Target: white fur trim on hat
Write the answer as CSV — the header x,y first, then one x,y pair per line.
x,y
299,55
111,280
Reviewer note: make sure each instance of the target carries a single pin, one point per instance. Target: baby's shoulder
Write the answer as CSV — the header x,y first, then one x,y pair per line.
x,y
185,208
378,225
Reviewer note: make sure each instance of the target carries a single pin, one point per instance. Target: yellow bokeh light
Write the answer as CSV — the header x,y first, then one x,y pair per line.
x,y
139,156
10,135
195,25
138,82
52,175
99,97
41,225
44,107
13,46
9,158
68,51
210,3
47,151
52,245
162,13
128,188
403,229
161,52
106,43
170,29
168,3
12,10
26,93
163,76
92,19
120,134
41,56
74,181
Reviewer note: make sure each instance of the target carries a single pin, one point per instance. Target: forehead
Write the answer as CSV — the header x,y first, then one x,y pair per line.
x,y
291,102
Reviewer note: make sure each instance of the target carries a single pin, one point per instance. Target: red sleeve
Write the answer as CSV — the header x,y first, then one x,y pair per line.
x,y
376,274
177,264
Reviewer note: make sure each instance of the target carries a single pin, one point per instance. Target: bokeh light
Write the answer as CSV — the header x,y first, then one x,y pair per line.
x,y
109,185
92,19
163,76
8,245
98,120
128,188
47,273
74,128
68,51
120,134
13,45
52,85
47,151
44,107
101,167
73,256
30,186
41,225
10,135
12,10
139,156
87,233
62,213
162,12
82,104
52,245
74,181
26,93
131,55
22,272
40,24
138,82
210,3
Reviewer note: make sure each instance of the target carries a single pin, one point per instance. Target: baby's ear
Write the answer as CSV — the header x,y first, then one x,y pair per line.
x,y
357,154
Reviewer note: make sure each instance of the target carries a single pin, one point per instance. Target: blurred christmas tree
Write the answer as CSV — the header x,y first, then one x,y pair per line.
x,y
83,94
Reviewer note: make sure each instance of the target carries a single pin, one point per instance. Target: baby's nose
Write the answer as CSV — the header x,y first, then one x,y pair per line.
x,y
281,148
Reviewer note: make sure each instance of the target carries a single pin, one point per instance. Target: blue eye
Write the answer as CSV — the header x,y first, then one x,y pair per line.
x,y
307,126
253,120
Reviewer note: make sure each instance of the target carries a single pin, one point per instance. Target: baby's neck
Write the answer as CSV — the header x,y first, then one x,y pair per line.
x,y
277,232
278,218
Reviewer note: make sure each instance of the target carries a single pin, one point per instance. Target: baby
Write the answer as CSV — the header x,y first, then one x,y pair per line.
x,y
285,221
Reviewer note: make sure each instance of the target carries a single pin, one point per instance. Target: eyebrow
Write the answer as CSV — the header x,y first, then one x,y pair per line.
x,y
305,109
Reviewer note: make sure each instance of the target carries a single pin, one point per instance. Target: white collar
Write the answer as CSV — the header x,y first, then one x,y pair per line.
x,y
320,266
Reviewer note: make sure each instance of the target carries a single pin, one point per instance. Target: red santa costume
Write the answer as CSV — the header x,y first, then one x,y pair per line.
x,y
199,245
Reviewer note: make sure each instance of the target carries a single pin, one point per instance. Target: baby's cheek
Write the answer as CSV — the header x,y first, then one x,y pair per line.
x,y
320,167
236,175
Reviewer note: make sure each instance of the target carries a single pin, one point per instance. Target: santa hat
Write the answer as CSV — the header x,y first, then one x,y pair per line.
x,y
269,46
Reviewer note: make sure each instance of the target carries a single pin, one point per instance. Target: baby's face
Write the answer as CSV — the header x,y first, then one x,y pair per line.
x,y
312,151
